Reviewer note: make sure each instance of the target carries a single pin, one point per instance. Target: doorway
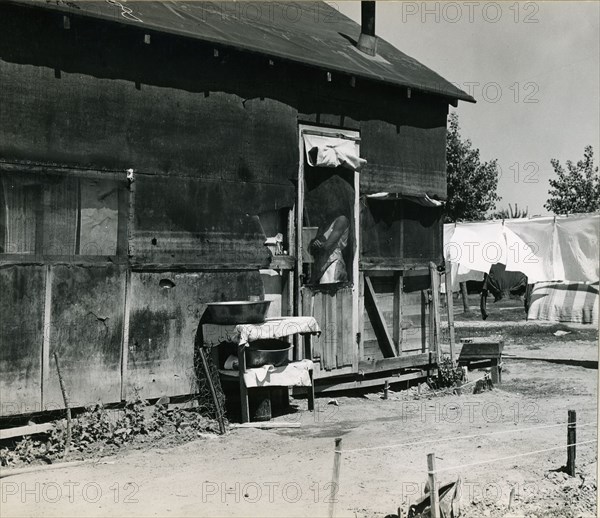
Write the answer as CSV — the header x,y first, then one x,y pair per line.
x,y
327,233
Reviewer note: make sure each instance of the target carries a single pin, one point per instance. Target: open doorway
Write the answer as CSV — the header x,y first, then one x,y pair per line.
x,y
327,233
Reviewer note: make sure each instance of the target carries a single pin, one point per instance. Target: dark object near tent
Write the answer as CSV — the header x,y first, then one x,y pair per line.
x,y
501,283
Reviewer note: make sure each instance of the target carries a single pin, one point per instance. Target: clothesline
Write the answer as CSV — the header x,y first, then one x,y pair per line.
x,y
544,249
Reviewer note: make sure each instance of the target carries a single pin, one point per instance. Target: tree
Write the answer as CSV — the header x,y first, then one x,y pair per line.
x,y
577,189
510,213
472,183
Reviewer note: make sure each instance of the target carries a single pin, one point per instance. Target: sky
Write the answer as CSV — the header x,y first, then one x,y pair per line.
x,y
533,67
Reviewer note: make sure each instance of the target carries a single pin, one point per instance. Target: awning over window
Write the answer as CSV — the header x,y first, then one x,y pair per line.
x,y
423,200
332,152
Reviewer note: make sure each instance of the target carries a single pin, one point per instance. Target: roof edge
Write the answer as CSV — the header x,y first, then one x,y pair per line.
x,y
144,26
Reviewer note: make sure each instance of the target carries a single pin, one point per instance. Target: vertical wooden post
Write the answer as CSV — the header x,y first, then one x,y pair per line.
x,y
386,388
310,391
125,338
299,216
433,489
308,354
125,231
361,321
465,297
356,316
288,288
450,304
46,337
335,479
495,371
429,294
245,406
571,440
435,299
398,282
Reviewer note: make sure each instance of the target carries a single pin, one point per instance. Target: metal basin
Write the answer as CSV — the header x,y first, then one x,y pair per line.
x,y
267,352
238,311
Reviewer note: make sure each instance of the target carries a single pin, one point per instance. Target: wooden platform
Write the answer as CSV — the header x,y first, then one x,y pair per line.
x,y
483,352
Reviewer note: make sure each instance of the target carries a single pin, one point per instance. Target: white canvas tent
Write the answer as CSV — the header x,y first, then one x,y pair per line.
x,y
561,249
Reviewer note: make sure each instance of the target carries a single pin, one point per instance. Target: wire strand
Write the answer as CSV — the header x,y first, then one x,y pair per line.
x,y
517,455
461,437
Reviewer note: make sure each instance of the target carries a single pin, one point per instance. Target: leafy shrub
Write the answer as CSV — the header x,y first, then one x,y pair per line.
x,y
98,426
449,375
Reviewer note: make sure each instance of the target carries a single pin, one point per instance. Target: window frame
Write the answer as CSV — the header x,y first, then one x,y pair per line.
x,y
124,198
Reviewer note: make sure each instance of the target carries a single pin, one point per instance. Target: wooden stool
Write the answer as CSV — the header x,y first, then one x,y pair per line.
x,y
310,391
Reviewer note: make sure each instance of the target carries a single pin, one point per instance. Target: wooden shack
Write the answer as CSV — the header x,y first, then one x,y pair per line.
x,y
147,152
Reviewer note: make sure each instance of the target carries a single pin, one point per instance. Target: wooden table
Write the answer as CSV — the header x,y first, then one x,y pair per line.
x,y
243,334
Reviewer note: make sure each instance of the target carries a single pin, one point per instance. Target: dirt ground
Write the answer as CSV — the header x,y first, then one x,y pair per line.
x,y
287,472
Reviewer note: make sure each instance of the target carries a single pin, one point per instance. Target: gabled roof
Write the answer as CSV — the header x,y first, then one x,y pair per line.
x,y
311,33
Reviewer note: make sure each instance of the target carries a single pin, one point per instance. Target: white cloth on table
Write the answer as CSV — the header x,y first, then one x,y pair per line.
x,y
295,374
275,328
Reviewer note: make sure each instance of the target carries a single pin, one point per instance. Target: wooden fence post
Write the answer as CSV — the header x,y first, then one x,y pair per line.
x,y
433,489
435,306
335,478
571,440
465,297
450,308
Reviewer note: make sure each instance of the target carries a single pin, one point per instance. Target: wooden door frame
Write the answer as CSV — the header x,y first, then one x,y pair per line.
x,y
304,129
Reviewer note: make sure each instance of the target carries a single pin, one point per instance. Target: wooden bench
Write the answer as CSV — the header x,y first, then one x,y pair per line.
x,y
483,353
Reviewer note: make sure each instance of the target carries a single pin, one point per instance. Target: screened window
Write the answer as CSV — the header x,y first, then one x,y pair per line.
x,y
58,215
399,231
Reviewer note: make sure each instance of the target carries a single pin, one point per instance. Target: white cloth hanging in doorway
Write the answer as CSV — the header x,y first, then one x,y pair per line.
x,y
332,152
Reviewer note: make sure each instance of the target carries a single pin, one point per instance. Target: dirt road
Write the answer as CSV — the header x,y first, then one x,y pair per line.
x,y
287,472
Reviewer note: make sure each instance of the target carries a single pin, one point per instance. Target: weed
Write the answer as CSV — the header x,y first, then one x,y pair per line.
x,y
449,374
99,427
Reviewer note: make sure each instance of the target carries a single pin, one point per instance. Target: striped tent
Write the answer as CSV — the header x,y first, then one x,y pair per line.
x,y
559,301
